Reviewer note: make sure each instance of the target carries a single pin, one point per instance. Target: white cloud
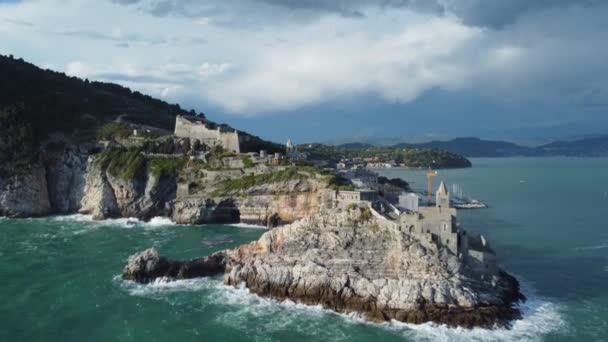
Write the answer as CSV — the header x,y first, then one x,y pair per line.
x,y
397,65
394,53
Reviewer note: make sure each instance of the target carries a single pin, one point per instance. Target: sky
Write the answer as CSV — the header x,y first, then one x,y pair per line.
x,y
341,70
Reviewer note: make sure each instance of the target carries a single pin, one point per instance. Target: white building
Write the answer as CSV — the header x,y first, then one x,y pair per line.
x,y
409,201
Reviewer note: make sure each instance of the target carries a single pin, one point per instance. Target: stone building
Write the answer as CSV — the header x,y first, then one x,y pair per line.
x,y
291,151
197,128
437,225
409,201
346,197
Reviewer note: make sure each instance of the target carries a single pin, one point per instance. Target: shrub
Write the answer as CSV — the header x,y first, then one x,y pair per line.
x,y
113,130
160,167
247,162
123,164
246,182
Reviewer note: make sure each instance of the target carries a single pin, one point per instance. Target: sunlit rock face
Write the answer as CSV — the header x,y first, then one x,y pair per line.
x,y
348,261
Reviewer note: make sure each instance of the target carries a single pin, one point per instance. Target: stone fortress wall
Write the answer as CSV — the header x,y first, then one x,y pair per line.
x,y
193,128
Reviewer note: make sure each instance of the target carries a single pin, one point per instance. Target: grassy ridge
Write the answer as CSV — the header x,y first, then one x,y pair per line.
x,y
249,181
125,164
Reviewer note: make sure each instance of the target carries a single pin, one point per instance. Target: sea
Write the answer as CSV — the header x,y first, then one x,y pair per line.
x,y
547,221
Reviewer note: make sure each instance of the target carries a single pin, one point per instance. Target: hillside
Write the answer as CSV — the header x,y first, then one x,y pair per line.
x,y
587,147
475,147
35,102
401,156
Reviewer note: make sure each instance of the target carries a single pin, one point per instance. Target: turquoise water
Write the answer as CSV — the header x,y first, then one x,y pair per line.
x,y
60,275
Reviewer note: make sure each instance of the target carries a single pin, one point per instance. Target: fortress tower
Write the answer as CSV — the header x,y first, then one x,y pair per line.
x,y
442,197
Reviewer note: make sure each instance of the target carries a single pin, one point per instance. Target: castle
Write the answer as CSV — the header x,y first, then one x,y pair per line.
x,y
197,128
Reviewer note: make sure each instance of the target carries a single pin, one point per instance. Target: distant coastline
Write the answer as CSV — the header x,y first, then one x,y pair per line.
x,y
472,147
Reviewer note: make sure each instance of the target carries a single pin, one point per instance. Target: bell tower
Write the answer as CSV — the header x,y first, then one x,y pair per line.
x,y
442,197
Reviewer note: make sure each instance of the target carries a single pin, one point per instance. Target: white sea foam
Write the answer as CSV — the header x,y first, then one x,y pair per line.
x,y
163,286
160,221
126,222
602,245
540,316
74,217
247,225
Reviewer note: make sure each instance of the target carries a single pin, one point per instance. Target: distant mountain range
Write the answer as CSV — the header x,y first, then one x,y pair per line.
x,y
475,147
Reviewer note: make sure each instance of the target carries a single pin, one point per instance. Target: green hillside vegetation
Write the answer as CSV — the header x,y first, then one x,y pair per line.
x,y
123,164
411,157
166,166
126,164
40,102
16,139
239,184
113,130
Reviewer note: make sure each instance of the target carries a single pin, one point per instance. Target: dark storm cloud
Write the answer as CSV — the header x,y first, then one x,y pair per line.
x,y
485,13
498,13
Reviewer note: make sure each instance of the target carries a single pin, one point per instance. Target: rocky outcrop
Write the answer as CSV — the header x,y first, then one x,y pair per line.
x,y
335,260
24,193
65,175
53,184
99,199
149,265
282,202
348,261
200,211
143,196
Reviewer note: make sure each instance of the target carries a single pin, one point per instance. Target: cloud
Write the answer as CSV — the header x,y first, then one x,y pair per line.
x,y
498,13
397,66
18,22
483,13
254,57
162,80
123,38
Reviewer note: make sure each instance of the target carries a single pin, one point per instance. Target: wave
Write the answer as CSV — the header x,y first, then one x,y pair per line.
x,y
126,222
159,221
594,247
540,317
162,286
247,225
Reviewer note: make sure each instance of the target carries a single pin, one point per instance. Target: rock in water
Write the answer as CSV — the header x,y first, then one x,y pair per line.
x,y
148,265
348,262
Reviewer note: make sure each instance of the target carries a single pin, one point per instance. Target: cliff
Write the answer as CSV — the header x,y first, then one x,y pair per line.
x,y
133,183
348,261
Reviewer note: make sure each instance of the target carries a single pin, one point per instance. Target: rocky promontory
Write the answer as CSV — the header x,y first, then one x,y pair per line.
x,y
348,261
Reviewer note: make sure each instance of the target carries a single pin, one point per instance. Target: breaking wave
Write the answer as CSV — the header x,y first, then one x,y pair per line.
x,y
239,306
247,225
163,286
539,318
128,222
